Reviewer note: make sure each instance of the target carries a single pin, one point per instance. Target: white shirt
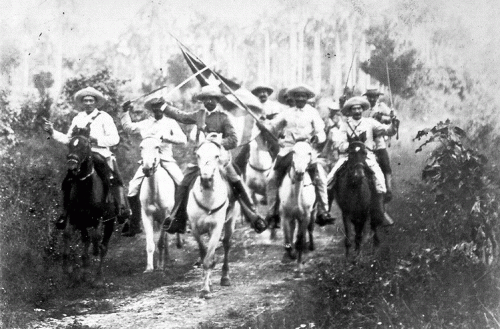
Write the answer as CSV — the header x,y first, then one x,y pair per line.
x,y
295,123
370,126
102,128
166,129
272,107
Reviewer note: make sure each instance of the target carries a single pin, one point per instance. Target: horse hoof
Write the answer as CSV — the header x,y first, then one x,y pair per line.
x,y
312,248
298,275
225,282
286,258
206,294
148,270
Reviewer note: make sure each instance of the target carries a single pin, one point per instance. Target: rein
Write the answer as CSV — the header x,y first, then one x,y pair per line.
x,y
88,175
208,210
259,169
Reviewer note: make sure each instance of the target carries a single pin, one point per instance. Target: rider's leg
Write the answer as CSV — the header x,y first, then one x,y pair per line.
x,y
381,190
174,171
134,221
318,177
241,160
176,223
118,189
382,156
247,205
66,190
274,181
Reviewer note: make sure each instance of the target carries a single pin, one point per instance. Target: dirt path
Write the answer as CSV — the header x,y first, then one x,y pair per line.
x,y
132,299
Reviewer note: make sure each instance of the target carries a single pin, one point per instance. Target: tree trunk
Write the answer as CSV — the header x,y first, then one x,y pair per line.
x,y
338,67
267,57
293,55
316,64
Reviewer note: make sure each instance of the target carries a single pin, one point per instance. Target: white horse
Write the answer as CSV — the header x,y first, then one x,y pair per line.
x,y
210,210
157,200
259,165
297,197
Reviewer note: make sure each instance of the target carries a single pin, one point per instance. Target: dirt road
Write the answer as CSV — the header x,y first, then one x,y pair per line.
x,y
131,299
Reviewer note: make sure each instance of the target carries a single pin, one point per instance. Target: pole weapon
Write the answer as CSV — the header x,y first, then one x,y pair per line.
x,y
390,96
172,90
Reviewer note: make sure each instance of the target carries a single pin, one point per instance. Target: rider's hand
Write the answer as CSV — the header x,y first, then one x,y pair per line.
x,y
48,127
127,106
212,136
260,125
395,122
93,140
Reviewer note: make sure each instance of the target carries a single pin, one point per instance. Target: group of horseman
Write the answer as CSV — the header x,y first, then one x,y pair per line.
x,y
292,119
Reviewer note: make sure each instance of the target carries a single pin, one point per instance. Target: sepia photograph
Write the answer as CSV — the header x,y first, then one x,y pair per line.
x,y
265,164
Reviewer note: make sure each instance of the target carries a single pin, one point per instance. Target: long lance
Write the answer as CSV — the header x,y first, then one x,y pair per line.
x,y
390,95
174,89
242,105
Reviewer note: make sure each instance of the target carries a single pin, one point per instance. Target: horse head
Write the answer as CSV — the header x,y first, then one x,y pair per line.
x,y
208,159
150,154
79,153
356,160
302,157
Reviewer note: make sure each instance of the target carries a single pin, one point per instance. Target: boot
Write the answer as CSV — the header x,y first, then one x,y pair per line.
x,y
62,220
388,184
323,218
124,208
134,220
273,217
176,223
380,215
248,208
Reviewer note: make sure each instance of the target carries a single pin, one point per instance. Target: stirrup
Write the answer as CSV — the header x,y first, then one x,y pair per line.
x,y
324,219
61,222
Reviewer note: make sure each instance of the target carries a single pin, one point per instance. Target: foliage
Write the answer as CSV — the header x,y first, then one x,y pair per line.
x,y
385,64
459,176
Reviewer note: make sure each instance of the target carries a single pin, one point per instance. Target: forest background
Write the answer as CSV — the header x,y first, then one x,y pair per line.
x,y
442,57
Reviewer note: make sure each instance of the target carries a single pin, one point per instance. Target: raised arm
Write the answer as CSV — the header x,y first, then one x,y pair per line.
x,y
179,115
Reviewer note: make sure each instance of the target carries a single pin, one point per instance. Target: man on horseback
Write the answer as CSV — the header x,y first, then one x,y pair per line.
x,y
169,131
383,114
297,123
214,122
355,126
271,108
101,130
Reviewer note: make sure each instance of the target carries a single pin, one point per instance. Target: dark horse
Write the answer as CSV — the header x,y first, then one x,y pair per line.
x,y
354,191
89,209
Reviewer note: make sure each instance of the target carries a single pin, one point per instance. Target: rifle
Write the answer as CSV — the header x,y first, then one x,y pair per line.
x,y
345,96
390,96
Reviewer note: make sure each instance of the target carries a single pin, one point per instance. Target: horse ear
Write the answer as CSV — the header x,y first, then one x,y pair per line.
x,y
362,136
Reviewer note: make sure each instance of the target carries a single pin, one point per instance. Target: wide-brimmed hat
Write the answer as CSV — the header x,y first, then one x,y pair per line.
x,y
372,92
302,88
333,106
89,91
259,87
356,100
209,91
154,101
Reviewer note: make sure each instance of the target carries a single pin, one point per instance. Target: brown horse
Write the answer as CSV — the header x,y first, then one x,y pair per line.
x,y
355,194
89,209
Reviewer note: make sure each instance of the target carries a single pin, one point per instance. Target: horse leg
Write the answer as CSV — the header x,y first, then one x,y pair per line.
x,y
107,228
226,242
288,229
209,261
300,245
376,240
147,222
310,230
358,239
85,277
349,229
67,264
162,246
